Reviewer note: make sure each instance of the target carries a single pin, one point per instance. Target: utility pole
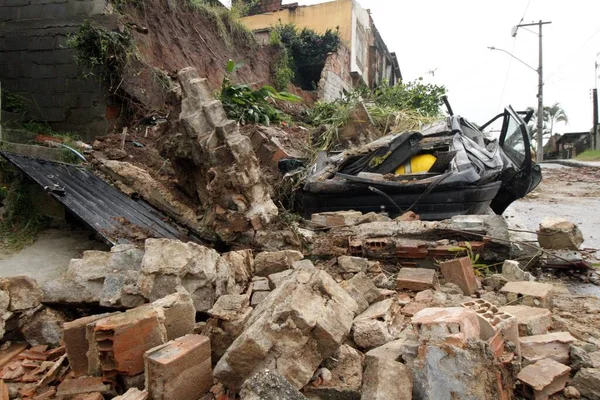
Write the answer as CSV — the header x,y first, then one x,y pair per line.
x,y
595,129
540,117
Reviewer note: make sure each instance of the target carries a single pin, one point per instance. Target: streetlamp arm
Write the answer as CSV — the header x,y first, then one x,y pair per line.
x,y
515,57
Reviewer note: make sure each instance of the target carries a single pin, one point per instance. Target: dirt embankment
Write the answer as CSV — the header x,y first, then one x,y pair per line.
x,y
180,35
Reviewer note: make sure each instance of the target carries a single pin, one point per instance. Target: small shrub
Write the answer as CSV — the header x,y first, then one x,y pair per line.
x,y
101,52
13,102
246,105
424,98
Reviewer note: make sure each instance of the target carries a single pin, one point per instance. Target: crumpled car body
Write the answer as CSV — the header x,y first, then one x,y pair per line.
x,y
450,168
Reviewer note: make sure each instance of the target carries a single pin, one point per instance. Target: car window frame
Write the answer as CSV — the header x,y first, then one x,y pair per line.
x,y
509,112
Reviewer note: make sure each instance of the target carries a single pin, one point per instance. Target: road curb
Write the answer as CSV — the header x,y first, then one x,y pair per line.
x,y
572,163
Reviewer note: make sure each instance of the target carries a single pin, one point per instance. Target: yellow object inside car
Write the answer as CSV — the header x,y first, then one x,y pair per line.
x,y
417,164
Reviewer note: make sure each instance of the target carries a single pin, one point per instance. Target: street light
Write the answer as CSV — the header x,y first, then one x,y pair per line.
x,y
540,117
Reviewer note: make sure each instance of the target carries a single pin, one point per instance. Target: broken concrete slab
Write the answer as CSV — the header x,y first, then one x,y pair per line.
x,y
553,345
587,382
382,322
532,320
269,385
460,272
23,291
336,218
352,265
439,325
544,378
267,263
299,325
558,234
227,319
177,314
362,290
179,369
529,293
386,379
416,279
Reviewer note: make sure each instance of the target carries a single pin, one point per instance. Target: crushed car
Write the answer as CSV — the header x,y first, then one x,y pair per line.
x,y
451,167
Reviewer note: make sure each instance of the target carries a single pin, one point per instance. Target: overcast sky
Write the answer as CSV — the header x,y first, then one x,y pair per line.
x,y
451,39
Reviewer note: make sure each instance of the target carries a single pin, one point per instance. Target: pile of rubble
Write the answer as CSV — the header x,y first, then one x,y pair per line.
x,y
182,321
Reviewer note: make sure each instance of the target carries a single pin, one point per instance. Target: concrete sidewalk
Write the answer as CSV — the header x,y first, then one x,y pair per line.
x,y
575,163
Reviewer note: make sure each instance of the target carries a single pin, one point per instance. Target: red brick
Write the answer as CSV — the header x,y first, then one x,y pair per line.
x,y
460,272
180,369
76,343
123,339
446,324
543,379
416,279
72,387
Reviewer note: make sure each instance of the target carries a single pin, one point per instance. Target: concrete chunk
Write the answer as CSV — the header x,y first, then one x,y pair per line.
x,y
269,385
529,293
442,324
587,382
416,279
559,234
267,263
532,320
386,379
544,378
551,345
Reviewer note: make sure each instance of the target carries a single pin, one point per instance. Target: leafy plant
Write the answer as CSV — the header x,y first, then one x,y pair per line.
x,y
307,51
13,102
21,221
103,53
481,269
246,105
424,98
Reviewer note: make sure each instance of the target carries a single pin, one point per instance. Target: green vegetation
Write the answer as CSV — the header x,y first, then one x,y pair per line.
x,y
246,105
102,53
393,109
481,269
13,102
306,52
66,138
21,221
552,115
589,155
226,23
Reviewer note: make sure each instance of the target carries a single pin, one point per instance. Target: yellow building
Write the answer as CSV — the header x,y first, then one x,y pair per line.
x,y
369,59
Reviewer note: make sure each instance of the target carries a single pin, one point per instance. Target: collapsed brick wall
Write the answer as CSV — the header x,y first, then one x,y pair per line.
x,y
336,79
265,6
36,63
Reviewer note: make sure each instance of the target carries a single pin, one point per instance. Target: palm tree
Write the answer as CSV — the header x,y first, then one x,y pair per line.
x,y
555,114
532,126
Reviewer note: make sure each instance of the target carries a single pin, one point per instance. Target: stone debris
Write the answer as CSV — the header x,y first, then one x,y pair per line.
x,y
513,272
559,234
553,345
133,394
587,382
381,323
337,218
268,263
532,320
299,325
416,279
386,379
460,272
529,293
544,378
269,385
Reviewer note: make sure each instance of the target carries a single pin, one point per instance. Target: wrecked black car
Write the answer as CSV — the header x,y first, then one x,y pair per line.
x,y
451,167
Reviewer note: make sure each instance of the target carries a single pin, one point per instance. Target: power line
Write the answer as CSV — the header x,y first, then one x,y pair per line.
x,y
571,58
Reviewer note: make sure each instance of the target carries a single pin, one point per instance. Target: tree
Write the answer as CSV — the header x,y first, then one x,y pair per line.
x,y
555,114
532,126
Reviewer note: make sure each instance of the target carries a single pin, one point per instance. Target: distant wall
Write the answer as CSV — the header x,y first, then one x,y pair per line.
x,y
336,80
36,63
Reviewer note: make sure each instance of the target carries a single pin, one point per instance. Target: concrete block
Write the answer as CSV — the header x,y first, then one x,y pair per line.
x,y
180,369
529,293
532,320
551,345
336,218
446,324
493,321
460,272
544,378
416,279
386,379
123,339
76,343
